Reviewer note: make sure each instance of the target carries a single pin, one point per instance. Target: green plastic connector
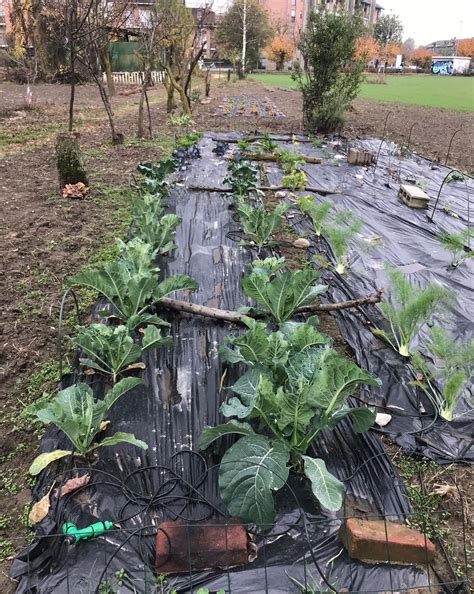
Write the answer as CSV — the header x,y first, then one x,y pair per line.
x,y
74,534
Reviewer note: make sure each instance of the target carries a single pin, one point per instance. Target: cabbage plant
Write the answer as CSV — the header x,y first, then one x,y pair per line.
x,y
281,294
82,418
296,386
258,224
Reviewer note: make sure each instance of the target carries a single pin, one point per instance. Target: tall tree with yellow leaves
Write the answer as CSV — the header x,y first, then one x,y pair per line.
x,y
280,50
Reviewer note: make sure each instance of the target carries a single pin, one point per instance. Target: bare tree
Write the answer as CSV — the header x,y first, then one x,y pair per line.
x,y
179,35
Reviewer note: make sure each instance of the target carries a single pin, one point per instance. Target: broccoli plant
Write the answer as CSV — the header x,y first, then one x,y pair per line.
x,y
160,233
452,370
131,295
138,257
295,387
258,224
411,309
318,212
82,418
243,177
282,293
267,144
455,244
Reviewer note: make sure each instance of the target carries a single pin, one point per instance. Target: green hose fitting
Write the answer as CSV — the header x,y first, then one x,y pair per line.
x,y
74,534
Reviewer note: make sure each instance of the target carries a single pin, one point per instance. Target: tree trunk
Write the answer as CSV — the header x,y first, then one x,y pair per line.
x,y
117,137
107,66
244,39
180,90
140,130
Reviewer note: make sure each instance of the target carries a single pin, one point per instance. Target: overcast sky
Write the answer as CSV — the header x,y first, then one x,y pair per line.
x,y
429,20
425,20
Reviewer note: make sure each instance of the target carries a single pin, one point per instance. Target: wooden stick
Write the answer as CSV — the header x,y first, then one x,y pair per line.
x,y
256,138
237,318
274,157
263,188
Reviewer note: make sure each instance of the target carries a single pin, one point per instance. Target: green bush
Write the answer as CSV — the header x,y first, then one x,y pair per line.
x,y
332,78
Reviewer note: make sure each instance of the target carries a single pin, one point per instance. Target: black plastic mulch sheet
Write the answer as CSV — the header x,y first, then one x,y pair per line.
x,y
181,395
397,236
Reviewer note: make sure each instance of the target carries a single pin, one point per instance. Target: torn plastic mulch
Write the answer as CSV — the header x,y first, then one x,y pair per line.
x,y
137,490
397,236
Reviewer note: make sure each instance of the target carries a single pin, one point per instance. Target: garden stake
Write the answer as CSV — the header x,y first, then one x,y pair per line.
x,y
449,147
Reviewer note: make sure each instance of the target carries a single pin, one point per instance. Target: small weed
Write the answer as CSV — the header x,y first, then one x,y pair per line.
x,y
6,549
4,522
8,484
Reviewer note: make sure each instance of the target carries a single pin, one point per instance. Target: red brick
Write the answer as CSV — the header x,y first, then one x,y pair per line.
x,y
181,547
376,540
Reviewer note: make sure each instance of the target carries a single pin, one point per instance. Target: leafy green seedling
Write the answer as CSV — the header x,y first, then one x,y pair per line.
x,y
258,224
453,366
340,237
290,161
82,418
282,294
412,308
318,212
296,180
455,244
131,295
243,177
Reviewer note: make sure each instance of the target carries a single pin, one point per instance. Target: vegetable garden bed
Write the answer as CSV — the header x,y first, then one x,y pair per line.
x,y
177,410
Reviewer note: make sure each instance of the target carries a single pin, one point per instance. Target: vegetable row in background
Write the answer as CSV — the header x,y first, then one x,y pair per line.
x,y
131,286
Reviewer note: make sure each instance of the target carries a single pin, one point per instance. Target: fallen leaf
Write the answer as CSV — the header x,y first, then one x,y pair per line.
x,y
444,490
74,484
40,509
136,366
104,425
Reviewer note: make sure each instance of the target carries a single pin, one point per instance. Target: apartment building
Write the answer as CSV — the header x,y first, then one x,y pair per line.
x,y
369,9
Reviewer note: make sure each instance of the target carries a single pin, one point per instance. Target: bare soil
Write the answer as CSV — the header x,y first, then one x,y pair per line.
x,y
45,238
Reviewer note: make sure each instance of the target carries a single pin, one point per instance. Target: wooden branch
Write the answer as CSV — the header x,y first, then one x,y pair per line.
x,y
274,157
263,188
237,318
256,138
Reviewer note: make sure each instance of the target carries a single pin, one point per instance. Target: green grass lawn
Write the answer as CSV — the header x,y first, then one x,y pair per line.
x,y
417,89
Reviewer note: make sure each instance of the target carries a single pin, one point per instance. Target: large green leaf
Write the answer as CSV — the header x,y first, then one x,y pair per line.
x,y
250,471
335,379
302,336
247,388
250,347
284,294
153,339
210,434
362,418
179,282
295,412
120,437
120,389
111,280
327,489
43,460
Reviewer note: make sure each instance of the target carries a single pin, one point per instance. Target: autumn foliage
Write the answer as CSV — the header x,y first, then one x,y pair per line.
x,y
466,47
367,49
421,57
280,50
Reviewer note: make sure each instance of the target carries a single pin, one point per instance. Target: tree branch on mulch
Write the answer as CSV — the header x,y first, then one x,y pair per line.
x,y
237,318
273,157
263,188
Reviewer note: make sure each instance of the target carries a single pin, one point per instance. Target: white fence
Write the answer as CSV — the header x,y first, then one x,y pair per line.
x,y
135,78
